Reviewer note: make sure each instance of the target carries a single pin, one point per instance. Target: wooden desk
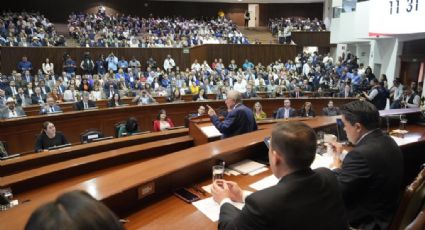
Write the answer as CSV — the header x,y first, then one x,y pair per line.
x,y
20,133
118,188
37,177
35,160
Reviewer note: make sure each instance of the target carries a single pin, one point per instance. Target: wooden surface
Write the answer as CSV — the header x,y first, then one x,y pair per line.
x,y
20,133
117,187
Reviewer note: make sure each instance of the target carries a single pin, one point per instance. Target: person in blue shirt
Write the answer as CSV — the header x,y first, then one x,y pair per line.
x,y
24,65
112,62
247,65
69,66
123,64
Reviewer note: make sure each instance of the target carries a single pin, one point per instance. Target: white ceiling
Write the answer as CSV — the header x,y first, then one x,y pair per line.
x,y
248,1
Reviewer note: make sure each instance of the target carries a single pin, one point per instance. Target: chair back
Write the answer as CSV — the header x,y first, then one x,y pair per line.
x,y
90,135
117,127
411,202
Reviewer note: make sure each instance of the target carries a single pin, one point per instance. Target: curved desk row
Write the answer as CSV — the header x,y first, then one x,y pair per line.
x,y
147,186
20,133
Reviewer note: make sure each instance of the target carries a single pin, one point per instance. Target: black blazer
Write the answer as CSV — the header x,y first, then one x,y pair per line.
x,y
305,199
80,106
370,180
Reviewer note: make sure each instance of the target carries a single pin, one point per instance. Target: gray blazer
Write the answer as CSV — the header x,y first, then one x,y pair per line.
x,y
4,114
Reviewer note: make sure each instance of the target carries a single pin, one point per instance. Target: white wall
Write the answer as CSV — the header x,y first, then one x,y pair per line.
x,y
386,52
254,11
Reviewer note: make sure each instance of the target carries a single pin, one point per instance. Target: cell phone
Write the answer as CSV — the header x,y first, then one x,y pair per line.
x,y
267,141
186,195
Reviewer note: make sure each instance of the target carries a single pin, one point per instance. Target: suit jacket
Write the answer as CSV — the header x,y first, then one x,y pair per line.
x,y
249,95
8,91
306,199
35,99
23,101
238,121
370,180
301,94
4,114
45,110
281,113
80,105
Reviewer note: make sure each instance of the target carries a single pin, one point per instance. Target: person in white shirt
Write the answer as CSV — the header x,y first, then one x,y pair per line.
x,y
70,94
48,67
169,63
411,99
240,85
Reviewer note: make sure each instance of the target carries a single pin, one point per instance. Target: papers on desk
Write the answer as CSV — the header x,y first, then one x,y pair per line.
x,y
211,209
210,131
401,141
247,166
264,183
320,161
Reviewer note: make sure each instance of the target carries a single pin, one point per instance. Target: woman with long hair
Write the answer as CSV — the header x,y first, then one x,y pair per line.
x,y
162,122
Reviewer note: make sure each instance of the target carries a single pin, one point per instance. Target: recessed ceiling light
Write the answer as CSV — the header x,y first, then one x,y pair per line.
x,y
239,0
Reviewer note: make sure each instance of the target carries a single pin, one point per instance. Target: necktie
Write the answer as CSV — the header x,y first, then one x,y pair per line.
x,y
52,109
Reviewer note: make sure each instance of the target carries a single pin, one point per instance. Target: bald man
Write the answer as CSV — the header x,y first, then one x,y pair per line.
x,y
239,119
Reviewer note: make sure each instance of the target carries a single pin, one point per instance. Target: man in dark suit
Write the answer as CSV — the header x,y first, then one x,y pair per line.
x,y
302,199
37,97
330,110
239,119
21,98
297,92
85,103
249,92
50,107
11,90
370,176
286,111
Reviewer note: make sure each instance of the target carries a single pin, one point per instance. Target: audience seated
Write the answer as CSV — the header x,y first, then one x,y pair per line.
x,y
75,210
49,138
162,122
102,30
131,126
85,102
259,114
50,107
307,110
115,101
10,110
28,30
330,110
286,111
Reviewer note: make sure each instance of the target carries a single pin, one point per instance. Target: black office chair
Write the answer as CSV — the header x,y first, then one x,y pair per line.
x,y
90,135
118,127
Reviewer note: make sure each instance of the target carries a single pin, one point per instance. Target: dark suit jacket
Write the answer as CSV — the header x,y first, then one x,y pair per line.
x,y
45,110
35,99
301,94
80,105
249,95
238,121
370,180
281,113
304,200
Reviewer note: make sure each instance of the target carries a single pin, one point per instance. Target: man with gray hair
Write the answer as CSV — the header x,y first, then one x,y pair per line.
x,y
239,119
85,103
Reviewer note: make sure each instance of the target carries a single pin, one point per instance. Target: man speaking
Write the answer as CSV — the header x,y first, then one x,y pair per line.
x,y
239,119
